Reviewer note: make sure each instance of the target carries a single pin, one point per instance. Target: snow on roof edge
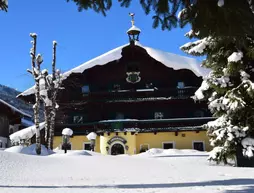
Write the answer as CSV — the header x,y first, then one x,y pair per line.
x,y
14,108
175,61
26,133
168,59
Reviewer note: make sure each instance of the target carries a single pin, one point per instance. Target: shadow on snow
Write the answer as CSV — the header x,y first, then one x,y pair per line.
x,y
162,185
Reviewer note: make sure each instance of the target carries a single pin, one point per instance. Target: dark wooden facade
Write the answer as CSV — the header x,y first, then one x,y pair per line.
x,y
8,117
111,97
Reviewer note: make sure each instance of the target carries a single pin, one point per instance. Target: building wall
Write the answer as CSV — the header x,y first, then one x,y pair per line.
x,y
77,142
3,142
131,142
183,140
4,125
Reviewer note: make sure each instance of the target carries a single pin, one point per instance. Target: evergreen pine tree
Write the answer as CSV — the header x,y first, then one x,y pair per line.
x,y
4,5
224,30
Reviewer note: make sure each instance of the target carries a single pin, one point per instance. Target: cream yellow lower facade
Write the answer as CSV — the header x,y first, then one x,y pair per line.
x,y
134,143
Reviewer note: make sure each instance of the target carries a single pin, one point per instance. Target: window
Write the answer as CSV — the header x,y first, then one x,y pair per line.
x,y
144,148
78,119
149,85
199,113
198,145
119,116
68,147
11,131
87,146
116,87
85,89
158,115
168,145
180,85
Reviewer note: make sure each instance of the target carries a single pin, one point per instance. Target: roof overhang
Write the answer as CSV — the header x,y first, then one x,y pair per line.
x,y
170,60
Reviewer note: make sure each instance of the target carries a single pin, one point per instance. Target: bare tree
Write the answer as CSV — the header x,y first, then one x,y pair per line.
x,y
49,86
54,87
46,89
36,63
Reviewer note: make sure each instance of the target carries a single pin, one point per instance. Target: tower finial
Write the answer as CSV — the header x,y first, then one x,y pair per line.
x,y
132,18
133,32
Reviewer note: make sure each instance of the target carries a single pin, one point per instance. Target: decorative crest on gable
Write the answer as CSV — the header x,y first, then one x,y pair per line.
x,y
133,77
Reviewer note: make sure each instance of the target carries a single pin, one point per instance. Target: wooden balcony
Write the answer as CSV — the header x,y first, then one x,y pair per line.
x,y
141,94
156,125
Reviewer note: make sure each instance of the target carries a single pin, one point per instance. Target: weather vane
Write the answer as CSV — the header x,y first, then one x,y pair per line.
x,y
132,18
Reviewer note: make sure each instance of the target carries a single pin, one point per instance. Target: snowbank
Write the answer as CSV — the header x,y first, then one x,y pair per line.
x,y
26,133
172,152
119,174
59,153
30,150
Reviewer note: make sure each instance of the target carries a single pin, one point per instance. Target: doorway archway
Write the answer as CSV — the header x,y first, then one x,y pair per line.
x,y
117,149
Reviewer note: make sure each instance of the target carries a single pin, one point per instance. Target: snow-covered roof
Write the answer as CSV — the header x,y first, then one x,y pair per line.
x,y
26,133
26,123
133,28
168,59
14,108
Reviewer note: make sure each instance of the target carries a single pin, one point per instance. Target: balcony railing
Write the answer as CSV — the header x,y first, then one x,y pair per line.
x,y
131,123
175,124
141,94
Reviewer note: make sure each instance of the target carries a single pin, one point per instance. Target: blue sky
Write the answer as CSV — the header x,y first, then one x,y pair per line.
x,y
80,35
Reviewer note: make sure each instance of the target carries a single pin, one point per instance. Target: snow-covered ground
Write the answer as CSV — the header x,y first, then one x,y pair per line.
x,y
156,171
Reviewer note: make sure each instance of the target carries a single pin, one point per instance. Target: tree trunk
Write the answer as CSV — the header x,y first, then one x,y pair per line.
x,y
36,117
47,124
53,98
52,128
36,106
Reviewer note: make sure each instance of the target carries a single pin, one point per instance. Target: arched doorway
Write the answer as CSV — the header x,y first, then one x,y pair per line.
x,y
117,149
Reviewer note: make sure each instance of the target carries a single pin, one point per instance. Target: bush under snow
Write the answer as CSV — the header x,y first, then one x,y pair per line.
x,y
30,150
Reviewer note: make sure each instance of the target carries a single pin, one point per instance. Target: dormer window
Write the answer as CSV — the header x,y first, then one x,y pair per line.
x,y
180,84
85,89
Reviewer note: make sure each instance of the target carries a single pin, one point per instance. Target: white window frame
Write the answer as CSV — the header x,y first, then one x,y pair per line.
x,y
198,142
84,145
172,142
62,145
144,144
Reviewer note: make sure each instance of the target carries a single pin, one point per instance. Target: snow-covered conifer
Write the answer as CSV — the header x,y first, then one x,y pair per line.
x,y
229,87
